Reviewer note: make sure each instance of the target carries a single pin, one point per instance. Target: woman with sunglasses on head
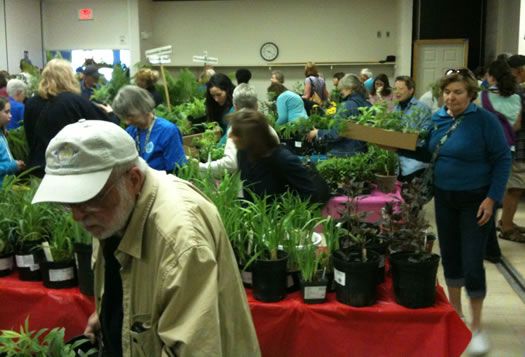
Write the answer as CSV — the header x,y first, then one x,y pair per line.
x,y
470,171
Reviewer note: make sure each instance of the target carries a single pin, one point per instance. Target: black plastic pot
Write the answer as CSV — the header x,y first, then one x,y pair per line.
x,y
83,347
314,292
28,256
381,249
414,282
269,278
6,264
293,281
355,281
83,254
59,275
246,275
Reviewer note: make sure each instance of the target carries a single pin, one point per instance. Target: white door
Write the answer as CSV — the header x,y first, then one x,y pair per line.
x,y
433,57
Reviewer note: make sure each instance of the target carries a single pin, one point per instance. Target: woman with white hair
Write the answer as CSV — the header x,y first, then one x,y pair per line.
x,y
158,141
16,91
367,77
354,96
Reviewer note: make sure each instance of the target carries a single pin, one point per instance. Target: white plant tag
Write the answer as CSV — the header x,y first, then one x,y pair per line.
x,y
34,267
289,283
247,277
61,274
6,263
339,277
381,261
298,144
315,292
24,261
47,252
76,261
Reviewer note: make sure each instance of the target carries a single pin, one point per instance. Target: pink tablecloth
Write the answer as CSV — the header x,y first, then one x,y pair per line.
x,y
372,203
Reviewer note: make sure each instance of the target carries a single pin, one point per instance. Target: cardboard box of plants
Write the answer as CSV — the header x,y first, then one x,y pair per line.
x,y
385,137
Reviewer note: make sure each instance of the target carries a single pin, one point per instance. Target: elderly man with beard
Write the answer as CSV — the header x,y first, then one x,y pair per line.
x,y
166,279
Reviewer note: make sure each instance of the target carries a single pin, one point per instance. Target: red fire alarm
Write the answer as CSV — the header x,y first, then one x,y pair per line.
x,y
85,14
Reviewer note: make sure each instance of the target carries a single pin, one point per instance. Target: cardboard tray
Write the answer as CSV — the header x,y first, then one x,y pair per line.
x,y
384,137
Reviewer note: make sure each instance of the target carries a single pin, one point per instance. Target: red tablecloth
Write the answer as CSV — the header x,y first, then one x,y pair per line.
x,y
285,329
49,308
372,203
293,329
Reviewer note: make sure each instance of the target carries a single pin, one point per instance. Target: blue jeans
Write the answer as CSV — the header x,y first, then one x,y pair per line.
x,y
461,240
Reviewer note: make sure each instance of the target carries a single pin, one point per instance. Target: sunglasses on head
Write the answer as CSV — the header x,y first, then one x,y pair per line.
x,y
463,72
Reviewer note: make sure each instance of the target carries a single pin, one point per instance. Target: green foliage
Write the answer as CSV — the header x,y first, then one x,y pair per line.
x,y
339,171
30,343
378,116
384,162
207,143
17,142
107,93
32,87
183,89
50,55
309,259
181,114
61,237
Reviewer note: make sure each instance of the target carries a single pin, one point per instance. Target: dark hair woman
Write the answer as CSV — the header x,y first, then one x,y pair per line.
x,y
382,92
219,99
266,167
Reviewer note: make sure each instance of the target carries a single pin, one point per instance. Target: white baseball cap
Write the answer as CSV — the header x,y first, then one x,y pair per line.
x,y
80,159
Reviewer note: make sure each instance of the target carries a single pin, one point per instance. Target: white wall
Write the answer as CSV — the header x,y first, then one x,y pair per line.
x,y
3,44
521,44
502,33
64,31
233,31
404,39
24,32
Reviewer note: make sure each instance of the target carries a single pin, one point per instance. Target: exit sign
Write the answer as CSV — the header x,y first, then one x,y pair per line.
x,y
85,14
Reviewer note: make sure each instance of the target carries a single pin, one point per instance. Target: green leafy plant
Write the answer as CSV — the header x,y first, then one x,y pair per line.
x,y
340,171
183,89
107,93
309,259
384,162
61,238
18,144
182,114
207,143
32,343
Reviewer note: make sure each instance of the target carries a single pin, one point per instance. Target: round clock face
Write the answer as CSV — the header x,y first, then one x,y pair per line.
x,y
269,51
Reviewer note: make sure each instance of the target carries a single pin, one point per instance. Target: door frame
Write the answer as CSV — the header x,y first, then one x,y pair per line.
x,y
417,43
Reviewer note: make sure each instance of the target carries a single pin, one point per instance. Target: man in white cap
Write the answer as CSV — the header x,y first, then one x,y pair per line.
x,y
166,279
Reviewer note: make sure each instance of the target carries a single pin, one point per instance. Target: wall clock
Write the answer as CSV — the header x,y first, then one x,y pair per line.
x,y
269,51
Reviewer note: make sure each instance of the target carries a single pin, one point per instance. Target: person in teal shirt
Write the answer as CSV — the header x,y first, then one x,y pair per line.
x,y
8,165
290,106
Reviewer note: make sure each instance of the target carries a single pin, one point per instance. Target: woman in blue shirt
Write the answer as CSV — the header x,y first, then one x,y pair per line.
x,y
159,142
290,105
8,165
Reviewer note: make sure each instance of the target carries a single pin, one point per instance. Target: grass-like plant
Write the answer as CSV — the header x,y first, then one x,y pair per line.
x,y
309,259
61,237
384,162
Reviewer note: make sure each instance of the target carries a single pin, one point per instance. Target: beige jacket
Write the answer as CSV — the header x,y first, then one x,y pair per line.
x,y
179,276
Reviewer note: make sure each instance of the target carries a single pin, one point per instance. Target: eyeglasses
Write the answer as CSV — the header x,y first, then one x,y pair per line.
x,y
462,71
93,203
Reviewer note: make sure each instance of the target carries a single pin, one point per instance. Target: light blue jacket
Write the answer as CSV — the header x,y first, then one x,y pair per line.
x,y
290,106
420,110
8,165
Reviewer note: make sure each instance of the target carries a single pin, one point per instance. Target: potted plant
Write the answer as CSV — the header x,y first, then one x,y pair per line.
x,y
385,165
314,282
355,274
58,271
207,143
414,269
339,172
83,248
270,263
6,249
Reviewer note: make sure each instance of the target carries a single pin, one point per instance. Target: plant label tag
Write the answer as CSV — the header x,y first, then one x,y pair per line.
x,y
76,261
247,277
6,263
47,251
315,292
24,261
34,267
298,144
381,261
289,282
339,277
61,274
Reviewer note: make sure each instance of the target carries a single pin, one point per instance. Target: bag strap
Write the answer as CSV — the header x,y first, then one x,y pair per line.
x,y
444,139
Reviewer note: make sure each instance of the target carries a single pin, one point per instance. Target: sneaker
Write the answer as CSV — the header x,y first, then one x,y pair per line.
x,y
479,345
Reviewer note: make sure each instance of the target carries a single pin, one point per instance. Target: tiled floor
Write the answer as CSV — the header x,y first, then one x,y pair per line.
x,y
503,311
